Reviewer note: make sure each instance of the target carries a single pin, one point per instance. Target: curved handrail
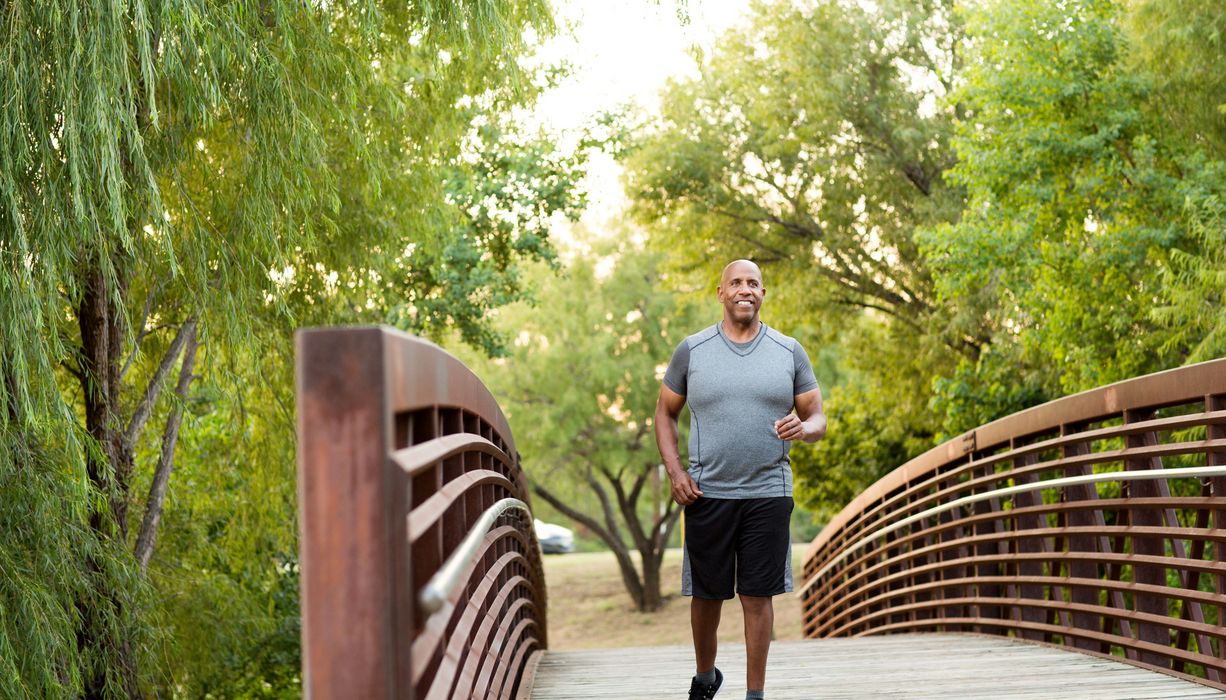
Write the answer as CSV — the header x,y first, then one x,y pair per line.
x,y
448,578
413,509
1151,474
1095,522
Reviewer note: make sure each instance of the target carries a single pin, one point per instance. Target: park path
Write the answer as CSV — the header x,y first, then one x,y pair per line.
x,y
920,666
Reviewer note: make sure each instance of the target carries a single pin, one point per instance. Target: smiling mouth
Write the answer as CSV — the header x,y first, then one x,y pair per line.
x,y
745,304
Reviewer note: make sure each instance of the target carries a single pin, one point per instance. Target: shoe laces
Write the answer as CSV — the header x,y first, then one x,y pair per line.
x,y
702,691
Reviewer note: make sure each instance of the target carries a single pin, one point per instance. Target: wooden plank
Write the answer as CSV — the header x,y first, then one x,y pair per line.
x,y
916,667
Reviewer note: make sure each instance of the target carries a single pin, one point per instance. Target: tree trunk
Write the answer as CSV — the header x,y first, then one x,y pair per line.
x,y
108,468
652,598
630,576
644,588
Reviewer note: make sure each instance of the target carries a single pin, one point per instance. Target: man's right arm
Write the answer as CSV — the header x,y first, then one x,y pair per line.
x,y
668,409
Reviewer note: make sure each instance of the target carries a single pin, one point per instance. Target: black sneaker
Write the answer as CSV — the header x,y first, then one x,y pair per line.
x,y
706,691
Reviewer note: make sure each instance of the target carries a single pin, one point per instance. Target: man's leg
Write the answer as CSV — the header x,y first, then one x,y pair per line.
x,y
759,623
708,572
704,623
762,572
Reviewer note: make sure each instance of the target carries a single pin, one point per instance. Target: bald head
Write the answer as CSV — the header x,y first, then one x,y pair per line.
x,y
740,267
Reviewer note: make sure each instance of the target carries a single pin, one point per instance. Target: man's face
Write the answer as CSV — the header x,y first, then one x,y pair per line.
x,y
741,291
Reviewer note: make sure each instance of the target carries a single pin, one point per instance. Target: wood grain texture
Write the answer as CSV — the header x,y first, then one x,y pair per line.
x,y
918,667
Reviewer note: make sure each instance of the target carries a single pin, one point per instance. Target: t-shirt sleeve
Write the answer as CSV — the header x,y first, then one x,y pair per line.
x,y
678,368
804,381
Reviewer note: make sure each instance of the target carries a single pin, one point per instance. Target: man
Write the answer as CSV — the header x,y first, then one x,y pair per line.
x,y
742,381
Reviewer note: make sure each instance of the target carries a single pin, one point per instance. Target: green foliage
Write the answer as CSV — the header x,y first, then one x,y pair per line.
x,y
816,141
808,144
1195,311
1065,237
225,568
579,388
877,418
981,208
238,169
1085,211
587,361
1181,49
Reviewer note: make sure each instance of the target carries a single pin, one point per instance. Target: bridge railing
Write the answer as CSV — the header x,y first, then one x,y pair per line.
x,y
1095,522
421,574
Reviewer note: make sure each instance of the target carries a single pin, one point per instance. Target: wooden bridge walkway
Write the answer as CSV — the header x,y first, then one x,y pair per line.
x,y
916,667
1094,521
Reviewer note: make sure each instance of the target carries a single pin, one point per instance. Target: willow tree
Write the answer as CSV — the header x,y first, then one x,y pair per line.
x,y
179,176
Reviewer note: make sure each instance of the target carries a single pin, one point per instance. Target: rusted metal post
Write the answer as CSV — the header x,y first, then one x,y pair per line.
x,y
356,595
418,548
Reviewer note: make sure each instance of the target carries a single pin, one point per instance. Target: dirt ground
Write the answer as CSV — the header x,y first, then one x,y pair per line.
x,y
589,607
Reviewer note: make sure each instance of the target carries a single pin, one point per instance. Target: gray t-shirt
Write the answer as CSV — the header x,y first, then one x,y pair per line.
x,y
736,392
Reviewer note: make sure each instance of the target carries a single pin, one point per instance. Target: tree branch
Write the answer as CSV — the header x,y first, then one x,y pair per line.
x,y
140,334
578,516
626,506
145,407
161,475
610,516
74,371
893,313
672,515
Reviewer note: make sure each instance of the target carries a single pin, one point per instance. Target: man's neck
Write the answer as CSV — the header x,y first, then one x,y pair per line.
x,y
741,332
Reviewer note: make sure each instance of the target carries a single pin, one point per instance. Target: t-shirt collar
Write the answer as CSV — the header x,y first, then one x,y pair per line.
x,y
746,348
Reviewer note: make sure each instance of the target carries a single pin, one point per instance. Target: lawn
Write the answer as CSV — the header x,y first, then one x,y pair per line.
x,y
589,607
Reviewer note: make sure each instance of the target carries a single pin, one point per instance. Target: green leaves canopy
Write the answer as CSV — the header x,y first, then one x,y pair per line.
x,y
981,207
234,169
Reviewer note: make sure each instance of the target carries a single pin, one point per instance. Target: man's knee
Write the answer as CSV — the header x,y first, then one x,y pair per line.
x,y
706,606
756,604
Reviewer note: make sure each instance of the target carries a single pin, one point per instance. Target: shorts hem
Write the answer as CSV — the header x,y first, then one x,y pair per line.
x,y
763,595
730,596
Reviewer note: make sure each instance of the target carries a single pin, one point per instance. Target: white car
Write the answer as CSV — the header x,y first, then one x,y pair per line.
x,y
554,539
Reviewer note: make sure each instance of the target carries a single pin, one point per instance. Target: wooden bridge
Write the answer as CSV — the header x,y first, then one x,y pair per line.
x,y
1074,549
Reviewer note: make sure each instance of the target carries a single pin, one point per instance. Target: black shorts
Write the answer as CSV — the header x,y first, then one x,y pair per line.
x,y
741,542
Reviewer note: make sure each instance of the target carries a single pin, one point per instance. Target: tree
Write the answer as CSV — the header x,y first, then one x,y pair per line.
x,y
173,176
1079,196
812,141
816,140
1181,49
580,388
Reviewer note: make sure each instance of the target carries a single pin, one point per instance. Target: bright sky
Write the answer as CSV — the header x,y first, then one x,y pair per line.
x,y
622,51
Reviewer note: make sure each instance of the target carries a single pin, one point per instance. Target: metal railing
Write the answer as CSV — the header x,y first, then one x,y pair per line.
x,y
421,573
1093,522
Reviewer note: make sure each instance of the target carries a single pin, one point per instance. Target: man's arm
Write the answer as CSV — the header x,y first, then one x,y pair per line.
x,y
668,408
808,423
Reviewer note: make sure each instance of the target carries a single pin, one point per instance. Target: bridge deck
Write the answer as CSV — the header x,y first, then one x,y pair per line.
x,y
899,666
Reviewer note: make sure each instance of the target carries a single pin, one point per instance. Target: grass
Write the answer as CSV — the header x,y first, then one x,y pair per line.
x,y
589,607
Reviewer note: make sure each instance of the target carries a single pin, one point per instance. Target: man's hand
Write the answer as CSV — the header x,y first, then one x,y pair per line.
x,y
808,423
685,491
790,427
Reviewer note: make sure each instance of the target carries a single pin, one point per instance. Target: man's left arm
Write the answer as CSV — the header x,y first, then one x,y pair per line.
x,y
808,423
